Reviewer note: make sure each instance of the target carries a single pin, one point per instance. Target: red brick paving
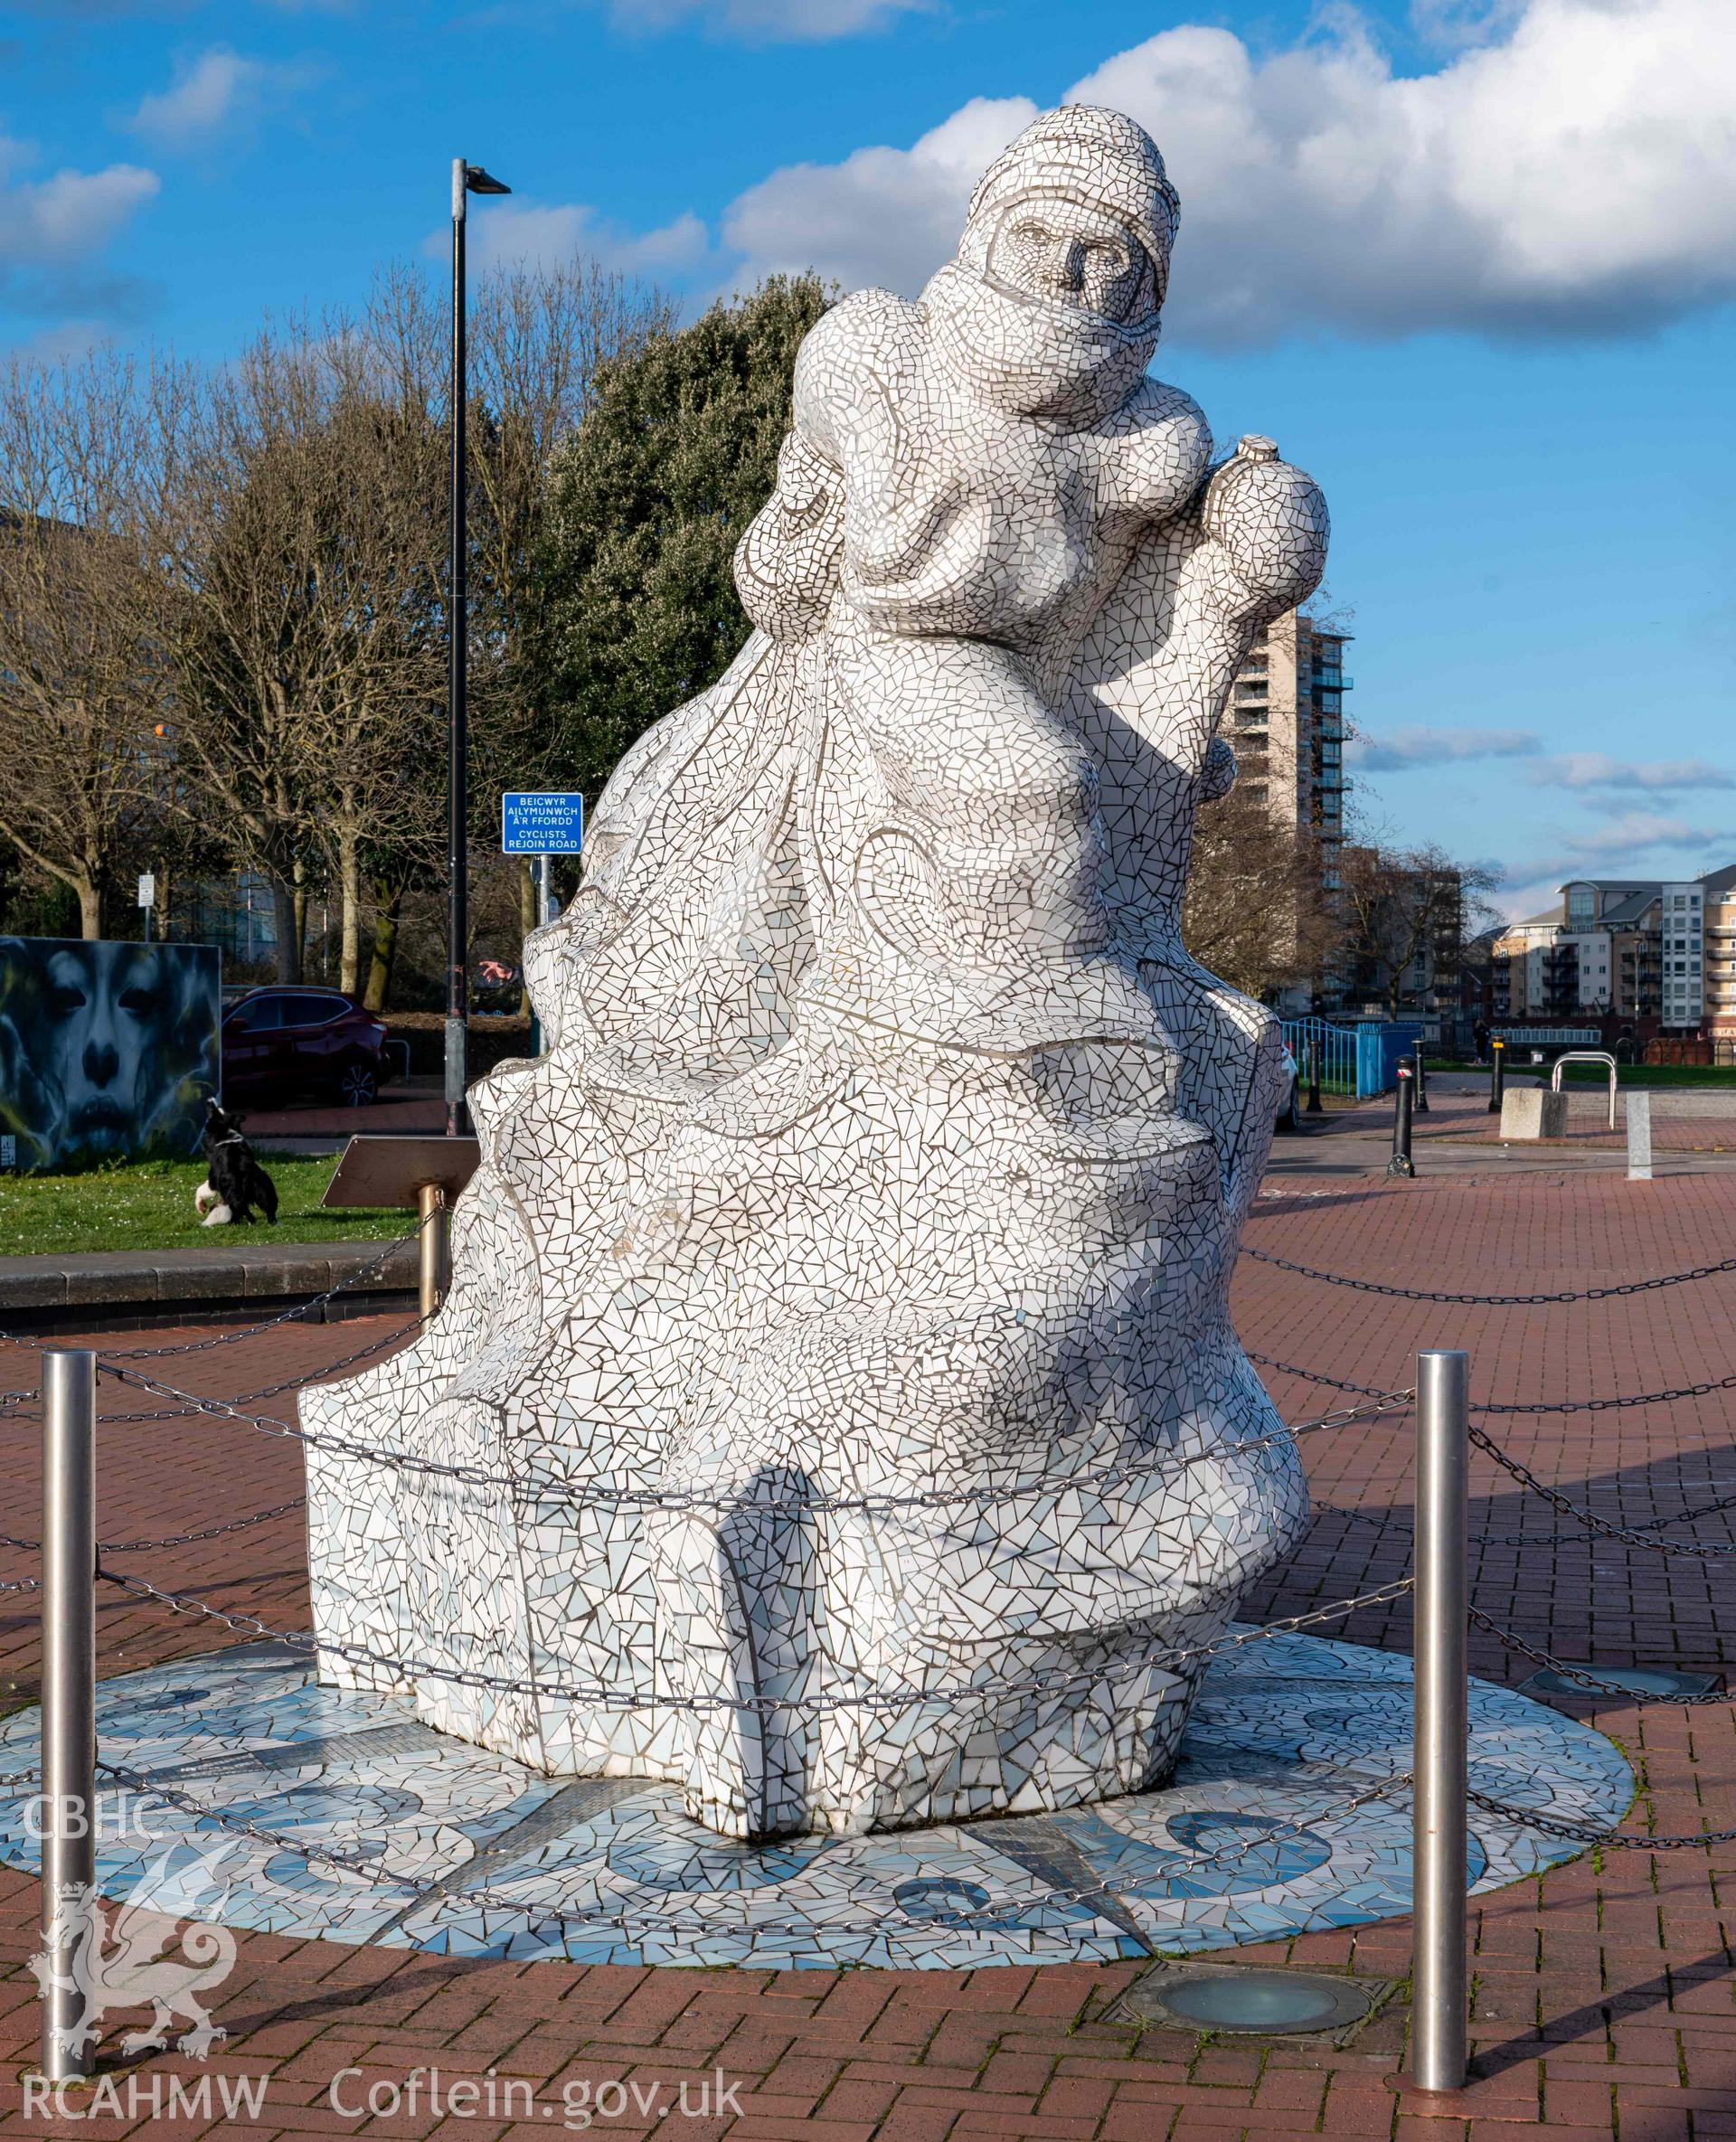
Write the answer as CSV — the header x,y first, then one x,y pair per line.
x,y
1603,1996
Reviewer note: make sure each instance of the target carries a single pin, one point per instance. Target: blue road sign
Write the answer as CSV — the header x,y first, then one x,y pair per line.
x,y
541,824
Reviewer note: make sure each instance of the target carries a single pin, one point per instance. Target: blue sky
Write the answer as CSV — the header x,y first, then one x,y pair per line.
x,y
1472,262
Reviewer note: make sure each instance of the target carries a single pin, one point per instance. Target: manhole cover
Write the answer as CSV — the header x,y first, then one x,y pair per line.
x,y
1640,1680
1235,1997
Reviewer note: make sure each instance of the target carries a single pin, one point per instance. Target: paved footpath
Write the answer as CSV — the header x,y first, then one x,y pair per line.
x,y
1693,1133
1603,1998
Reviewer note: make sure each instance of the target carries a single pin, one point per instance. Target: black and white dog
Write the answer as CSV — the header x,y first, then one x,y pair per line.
x,y
234,1182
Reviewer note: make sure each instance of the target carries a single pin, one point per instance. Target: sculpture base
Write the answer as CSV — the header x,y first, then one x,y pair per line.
x,y
885,1468
1256,1837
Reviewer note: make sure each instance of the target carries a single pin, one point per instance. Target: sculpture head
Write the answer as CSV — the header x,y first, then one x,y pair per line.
x,y
1052,305
1077,211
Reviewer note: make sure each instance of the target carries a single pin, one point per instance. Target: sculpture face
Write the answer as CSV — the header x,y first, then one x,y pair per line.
x,y
1050,309
1065,253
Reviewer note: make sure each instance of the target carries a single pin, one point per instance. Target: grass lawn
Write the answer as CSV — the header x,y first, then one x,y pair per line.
x,y
1598,1075
149,1207
1654,1075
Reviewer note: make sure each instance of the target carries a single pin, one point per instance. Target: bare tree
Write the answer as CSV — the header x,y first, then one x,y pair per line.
x,y
1408,912
1256,910
83,682
373,742
308,539
246,524
310,653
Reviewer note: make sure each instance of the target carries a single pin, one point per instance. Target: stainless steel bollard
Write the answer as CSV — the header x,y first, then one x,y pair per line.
x,y
435,1232
69,1801
1438,1980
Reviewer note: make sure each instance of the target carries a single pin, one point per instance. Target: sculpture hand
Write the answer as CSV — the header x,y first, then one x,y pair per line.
x,y
1271,524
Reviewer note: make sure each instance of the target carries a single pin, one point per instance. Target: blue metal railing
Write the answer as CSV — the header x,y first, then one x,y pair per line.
x,y
1359,1060
1337,1054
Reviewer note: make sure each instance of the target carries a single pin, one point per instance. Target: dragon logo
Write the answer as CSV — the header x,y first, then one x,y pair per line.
x,y
121,1962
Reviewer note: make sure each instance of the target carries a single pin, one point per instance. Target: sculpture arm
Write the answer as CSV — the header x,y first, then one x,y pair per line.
x,y
1151,679
1154,452
847,372
1148,690
786,564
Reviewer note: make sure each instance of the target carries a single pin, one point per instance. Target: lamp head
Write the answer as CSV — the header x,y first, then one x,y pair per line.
x,y
477,181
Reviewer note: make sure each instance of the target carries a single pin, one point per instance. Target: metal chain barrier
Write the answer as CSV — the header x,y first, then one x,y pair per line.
x,y
210,1532
247,1397
1587,1676
189,1410
1527,1538
179,1539
617,1700
246,1331
306,1848
1499,1301
686,1499
1370,1403
1288,1368
1442,1791
1588,1834
1634,1535
1612,1405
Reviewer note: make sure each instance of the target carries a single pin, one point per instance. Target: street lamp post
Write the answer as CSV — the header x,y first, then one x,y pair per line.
x,y
466,179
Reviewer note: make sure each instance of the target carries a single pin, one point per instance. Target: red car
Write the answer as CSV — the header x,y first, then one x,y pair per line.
x,y
288,1041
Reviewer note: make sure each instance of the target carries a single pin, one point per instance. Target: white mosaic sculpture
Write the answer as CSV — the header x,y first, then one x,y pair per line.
x,y
837,1356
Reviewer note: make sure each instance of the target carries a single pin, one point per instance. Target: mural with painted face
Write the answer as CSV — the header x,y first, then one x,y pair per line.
x,y
106,1050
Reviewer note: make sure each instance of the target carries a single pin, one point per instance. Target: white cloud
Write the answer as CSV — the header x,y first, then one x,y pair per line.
x,y
58,224
541,234
1638,843
1404,749
805,20
1595,771
1635,832
210,95
885,216
1576,175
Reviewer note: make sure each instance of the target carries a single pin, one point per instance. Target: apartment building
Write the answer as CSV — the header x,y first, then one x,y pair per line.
x,y
1662,950
1717,952
1285,724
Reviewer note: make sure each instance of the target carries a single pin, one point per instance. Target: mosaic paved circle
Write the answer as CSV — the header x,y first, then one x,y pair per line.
x,y
1263,1832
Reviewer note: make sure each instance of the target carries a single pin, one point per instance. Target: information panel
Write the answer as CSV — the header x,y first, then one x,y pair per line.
x,y
542,823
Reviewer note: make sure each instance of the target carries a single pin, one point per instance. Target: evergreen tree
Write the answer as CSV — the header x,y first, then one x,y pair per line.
x,y
647,502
